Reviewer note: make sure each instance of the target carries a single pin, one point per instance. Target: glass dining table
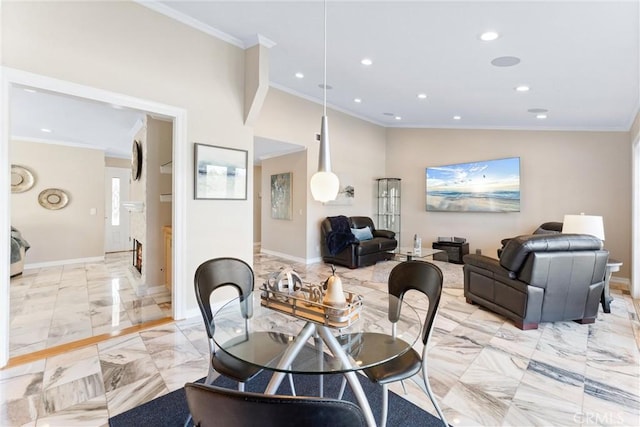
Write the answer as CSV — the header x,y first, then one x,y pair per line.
x,y
284,343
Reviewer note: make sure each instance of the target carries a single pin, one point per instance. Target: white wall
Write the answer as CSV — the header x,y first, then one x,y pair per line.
x,y
560,173
158,214
71,232
634,139
281,236
357,149
257,204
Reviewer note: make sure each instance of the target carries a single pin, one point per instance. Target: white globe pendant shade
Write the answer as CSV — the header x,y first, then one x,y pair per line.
x,y
324,186
324,183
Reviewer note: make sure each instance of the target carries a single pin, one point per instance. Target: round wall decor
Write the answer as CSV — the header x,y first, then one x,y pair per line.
x,y
136,160
53,198
21,179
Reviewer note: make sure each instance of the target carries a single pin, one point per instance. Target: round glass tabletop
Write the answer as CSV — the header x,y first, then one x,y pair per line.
x,y
282,342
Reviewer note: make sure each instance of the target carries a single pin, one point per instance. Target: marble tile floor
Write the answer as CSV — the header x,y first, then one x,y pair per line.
x,y
483,370
57,305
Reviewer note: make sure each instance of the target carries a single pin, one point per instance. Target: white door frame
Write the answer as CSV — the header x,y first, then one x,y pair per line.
x,y
125,223
635,219
10,77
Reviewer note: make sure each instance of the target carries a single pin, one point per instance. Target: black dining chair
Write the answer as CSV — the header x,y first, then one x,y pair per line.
x,y
410,275
215,406
210,276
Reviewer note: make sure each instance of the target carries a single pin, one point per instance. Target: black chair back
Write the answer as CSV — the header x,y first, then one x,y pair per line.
x,y
215,406
218,272
421,276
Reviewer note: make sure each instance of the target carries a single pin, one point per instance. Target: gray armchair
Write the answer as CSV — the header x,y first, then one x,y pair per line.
x,y
540,278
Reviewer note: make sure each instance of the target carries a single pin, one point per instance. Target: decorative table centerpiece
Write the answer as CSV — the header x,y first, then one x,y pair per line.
x,y
286,292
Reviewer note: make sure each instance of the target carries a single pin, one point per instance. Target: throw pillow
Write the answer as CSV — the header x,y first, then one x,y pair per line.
x,y
362,233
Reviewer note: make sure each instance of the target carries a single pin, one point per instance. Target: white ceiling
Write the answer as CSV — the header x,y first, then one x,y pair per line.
x,y
72,121
580,58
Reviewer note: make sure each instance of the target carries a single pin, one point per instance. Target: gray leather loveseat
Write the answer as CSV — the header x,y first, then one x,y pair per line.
x,y
540,278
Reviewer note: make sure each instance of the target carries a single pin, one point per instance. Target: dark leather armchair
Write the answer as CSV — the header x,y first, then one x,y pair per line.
x,y
359,253
540,278
544,228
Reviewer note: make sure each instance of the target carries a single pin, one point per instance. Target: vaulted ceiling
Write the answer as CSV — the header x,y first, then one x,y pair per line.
x,y
429,68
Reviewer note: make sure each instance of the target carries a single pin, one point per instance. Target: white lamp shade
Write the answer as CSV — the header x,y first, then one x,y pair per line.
x,y
324,186
584,224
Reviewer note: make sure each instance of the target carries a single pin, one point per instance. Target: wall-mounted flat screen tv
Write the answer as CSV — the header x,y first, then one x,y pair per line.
x,y
485,186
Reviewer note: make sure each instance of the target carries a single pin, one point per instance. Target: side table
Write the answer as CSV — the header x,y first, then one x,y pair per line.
x,y
613,265
455,250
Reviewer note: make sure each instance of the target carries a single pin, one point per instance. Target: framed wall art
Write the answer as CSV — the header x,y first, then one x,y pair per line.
x,y
220,173
281,196
483,186
346,191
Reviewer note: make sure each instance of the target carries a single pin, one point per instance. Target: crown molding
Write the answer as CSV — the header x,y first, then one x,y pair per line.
x,y
191,22
319,102
259,39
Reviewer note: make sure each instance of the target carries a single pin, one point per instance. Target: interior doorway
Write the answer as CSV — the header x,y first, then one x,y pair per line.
x,y
13,78
116,234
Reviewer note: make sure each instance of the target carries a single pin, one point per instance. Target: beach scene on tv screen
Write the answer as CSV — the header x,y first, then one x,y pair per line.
x,y
485,186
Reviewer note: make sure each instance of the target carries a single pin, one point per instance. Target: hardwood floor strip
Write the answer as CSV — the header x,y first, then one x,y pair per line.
x,y
75,345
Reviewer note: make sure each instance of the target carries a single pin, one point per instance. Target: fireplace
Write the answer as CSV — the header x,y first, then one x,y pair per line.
x,y
137,255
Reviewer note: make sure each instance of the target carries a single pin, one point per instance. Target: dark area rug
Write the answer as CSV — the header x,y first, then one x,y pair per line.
x,y
171,409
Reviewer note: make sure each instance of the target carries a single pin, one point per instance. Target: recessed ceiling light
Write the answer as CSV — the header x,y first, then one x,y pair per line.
x,y
398,118
45,130
538,110
489,36
299,75
457,117
522,88
28,89
541,116
357,100
366,61
422,96
505,61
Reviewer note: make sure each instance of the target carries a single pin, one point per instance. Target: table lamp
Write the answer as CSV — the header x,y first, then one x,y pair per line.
x,y
584,224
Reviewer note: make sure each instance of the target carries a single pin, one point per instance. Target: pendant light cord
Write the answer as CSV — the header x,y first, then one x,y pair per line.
x,y
324,84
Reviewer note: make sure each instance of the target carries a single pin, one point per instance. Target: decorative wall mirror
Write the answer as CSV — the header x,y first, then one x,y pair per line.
x,y
136,160
21,179
53,199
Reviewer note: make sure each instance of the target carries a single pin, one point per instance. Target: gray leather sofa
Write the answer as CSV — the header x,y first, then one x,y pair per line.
x,y
358,253
540,278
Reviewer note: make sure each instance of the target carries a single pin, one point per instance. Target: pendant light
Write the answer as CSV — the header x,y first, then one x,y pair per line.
x,y
324,183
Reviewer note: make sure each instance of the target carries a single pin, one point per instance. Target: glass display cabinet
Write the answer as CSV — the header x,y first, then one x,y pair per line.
x,y
388,216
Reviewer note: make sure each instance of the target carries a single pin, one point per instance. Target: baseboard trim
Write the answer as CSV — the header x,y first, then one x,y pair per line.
x,y
63,262
623,283
195,312
285,256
